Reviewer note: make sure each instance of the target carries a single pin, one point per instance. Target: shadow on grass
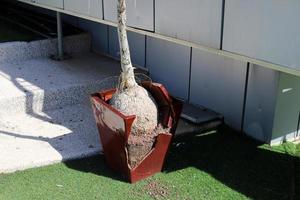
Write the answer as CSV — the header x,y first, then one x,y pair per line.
x,y
96,165
245,165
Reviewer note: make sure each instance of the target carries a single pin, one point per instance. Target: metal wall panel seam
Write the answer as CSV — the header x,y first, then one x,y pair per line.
x,y
108,46
102,9
145,60
190,76
269,140
154,16
245,98
222,25
227,54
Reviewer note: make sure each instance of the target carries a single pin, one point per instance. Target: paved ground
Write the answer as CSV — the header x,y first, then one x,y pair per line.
x,y
45,112
43,84
43,138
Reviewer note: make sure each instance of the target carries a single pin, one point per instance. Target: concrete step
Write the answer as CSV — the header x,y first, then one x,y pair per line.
x,y
43,84
21,51
43,138
45,112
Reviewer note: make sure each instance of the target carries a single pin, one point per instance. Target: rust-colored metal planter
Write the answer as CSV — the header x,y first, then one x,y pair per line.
x,y
115,128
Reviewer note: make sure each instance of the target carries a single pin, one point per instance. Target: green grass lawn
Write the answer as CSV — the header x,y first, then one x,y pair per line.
x,y
217,165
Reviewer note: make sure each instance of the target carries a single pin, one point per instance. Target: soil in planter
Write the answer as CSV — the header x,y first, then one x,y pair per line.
x,y
139,145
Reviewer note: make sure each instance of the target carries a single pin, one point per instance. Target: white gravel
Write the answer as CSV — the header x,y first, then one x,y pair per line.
x,y
45,113
43,84
33,140
20,51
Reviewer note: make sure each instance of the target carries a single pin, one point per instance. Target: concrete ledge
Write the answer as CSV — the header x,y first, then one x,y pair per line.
x,y
20,51
39,139
44,84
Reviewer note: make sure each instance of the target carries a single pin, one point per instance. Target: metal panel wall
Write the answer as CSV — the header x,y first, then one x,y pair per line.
x,y
267,30
287,108
261,102
70,20
218,83
136,44
99,34
169,64
91,7
54,3
197,21
96,9
139,12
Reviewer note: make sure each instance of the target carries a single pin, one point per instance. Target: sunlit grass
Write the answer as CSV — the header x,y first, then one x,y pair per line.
x,y
221,164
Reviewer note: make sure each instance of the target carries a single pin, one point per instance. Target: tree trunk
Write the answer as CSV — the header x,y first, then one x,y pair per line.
x,y
127,79
132,99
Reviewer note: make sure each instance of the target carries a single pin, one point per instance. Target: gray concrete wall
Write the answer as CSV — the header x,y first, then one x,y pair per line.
x,y
91,8
99,35
247,95
169,64
218,83
267,30
140,13
54,3
261,102
287,110
196,21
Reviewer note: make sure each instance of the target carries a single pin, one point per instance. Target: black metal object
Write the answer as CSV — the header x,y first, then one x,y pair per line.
x,y
196,119
44,26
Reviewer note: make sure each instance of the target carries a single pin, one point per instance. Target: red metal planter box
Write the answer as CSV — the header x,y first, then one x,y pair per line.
x,y
115,128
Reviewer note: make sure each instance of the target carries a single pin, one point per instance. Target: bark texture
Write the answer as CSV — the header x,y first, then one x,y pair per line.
x,y
132,99
127,79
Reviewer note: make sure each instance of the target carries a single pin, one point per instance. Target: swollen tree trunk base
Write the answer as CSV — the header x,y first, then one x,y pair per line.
x,y
130,98
122,149
132,118
139,102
